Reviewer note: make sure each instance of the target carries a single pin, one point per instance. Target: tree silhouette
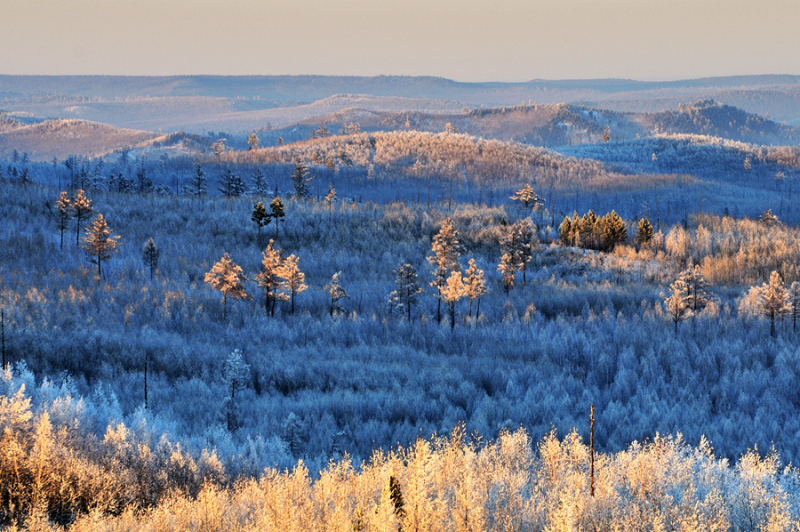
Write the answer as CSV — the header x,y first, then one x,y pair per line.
x,y
276,206
150,254
63,214
261,218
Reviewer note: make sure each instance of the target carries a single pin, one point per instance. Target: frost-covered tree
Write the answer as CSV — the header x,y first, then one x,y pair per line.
x,y
259,187
268,279
81,210
446,252
768,218
236,373
292,279
644,232
197,185
231,185
794,303
330,197
613,230
98,243
773,300
260,217
676,303
476,286
227,277
63,214
300,180
454,290
527,197
517,243
408,289
697,297
507,270
565,231
276,206
150,255
337,294
252,142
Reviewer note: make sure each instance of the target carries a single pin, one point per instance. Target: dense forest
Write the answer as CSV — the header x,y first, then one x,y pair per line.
x,y
181,332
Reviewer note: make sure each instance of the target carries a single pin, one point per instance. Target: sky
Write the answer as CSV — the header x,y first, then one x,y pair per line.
x,y
464,40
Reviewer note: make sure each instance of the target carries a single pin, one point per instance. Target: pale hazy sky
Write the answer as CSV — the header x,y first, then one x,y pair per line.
x,y
465,40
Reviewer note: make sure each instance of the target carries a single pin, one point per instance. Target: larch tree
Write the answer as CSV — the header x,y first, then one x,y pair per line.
x,y
408,289
676,303
252,142
518,243
268,279
150,254
63,214
276,206
260,217
476,286
292,279
454,290
337,294
794,303
81,210
565,231
773,300
446,252
300,180
99,244
506,269
227,277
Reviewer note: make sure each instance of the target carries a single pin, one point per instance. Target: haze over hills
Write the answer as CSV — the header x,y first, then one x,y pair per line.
x,y
237,104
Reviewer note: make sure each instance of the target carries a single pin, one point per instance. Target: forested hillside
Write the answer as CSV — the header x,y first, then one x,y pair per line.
x,y
183,322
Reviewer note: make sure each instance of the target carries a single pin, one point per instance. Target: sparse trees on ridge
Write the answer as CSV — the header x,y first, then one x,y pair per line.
x,y
228,278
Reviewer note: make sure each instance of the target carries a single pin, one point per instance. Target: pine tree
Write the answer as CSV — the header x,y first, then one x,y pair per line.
x,y
261,218
613,230
259,183
228,278
565,231
231,185
197,185
396,496
408,288
522,243
528,198
63,214
773,300
644,232
268,280
150,255
794,303
81,210
476,286
676,303
337,294
506,269
252,142
300,180
590,230
696,295
99,243
292,279
454,290
236,374
446,252
276,206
